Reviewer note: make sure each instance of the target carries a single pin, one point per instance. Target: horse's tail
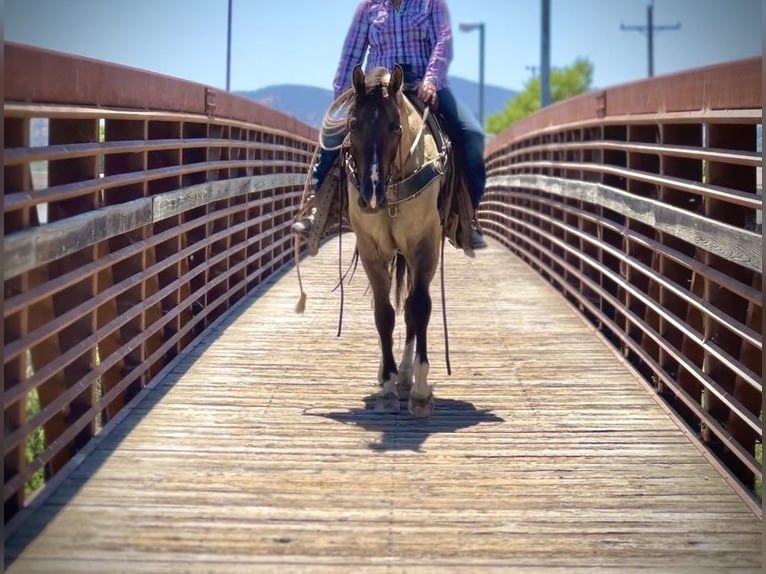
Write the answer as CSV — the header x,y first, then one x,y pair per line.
x,y
400,271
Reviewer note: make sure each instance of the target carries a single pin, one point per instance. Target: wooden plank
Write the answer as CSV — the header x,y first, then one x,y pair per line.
x,y
258,452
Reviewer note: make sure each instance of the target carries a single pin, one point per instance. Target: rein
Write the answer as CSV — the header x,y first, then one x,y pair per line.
x,y
416,141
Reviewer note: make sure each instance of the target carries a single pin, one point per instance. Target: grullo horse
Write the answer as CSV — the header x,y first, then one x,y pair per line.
x,y
395,173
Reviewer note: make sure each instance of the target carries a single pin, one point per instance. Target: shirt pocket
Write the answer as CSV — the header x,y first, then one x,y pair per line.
x,y
418,23
381,28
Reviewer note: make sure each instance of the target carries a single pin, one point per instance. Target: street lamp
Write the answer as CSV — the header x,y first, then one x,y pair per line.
x,y
470,27
228,49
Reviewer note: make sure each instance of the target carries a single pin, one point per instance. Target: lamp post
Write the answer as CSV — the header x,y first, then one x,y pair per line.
x,y
469,27
228,49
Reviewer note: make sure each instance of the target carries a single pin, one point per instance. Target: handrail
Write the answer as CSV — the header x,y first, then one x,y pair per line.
x,y
640,204
149,207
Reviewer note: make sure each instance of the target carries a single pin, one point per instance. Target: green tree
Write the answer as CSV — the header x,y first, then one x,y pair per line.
x,y
565,83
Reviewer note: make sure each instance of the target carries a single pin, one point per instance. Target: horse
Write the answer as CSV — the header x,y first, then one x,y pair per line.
x,y
395,172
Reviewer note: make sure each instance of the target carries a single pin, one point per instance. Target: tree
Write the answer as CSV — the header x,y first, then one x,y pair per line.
x,y
565,83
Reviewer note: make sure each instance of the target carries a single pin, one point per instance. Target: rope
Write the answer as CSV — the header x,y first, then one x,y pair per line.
x,y
300,306
340,254
444,310
334,125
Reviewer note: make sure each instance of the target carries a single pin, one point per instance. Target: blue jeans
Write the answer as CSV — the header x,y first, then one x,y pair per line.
x,y
464,132
467,138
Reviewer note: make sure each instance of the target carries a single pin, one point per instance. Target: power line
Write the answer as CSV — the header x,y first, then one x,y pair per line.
x,y
650,29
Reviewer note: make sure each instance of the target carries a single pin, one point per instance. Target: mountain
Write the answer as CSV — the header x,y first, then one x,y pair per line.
x,y
308,103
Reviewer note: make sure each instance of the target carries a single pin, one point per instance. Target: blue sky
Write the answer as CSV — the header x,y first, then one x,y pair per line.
x,y
298,41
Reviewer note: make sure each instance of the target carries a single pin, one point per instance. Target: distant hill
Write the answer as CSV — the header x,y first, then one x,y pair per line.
x,y
308,103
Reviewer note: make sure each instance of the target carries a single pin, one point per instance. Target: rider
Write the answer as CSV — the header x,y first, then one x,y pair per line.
x,y
417,35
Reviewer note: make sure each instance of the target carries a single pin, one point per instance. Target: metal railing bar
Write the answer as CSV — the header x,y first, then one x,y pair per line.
x,y
708,235
739,157
23,110
21,155
125,217
703,116
728,195
18,200
741,330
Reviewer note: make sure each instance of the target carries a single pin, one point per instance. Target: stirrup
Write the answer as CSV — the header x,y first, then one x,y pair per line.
x,y
303,226
476,238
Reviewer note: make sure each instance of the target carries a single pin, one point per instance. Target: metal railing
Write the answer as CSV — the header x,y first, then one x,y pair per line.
x,y
138,208
640,204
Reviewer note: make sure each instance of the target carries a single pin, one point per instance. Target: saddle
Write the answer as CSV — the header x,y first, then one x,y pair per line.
x,y
330,201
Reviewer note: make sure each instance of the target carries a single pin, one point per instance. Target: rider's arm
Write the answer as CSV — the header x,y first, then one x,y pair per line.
x,y
441,37
354,48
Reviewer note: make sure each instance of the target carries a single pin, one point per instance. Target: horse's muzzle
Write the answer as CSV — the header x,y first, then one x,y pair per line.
x,y
372,196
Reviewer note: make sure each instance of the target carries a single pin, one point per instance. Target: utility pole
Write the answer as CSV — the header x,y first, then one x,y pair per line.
x,y
650,29
545,55
532,69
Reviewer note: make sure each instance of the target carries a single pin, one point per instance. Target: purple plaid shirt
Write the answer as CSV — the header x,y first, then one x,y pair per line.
x,y
417,34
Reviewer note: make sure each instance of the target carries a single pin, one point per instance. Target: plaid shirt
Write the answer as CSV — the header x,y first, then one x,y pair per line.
x,y
417,34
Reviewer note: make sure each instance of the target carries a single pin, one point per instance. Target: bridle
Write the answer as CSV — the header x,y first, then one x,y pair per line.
x,y
406,187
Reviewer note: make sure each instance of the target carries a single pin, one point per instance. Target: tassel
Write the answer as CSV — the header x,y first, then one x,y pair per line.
x,y
300,306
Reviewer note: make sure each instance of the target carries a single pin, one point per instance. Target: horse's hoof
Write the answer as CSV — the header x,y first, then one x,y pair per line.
x,y
421,408
387,403
403,388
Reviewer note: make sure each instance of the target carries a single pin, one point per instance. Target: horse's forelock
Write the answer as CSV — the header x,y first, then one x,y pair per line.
x,y
378,80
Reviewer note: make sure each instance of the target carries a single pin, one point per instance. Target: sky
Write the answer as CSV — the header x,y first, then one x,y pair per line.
x,y
299,41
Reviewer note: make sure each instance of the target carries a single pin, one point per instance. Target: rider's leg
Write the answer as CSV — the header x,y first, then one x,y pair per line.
x,y
467,138
325,160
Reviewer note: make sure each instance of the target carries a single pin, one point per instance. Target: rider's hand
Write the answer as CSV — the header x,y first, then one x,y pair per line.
x,y
427,93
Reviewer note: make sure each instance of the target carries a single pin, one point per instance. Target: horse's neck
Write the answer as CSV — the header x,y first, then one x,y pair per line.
x,y
412,124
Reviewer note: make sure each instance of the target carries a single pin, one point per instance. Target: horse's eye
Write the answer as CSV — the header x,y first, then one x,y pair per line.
x,y
352,124
397,128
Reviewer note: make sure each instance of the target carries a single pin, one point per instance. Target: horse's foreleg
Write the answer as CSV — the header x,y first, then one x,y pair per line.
x,y
388,399
418,310
404,380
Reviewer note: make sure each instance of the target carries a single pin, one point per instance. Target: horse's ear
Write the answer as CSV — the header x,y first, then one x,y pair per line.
x,y
358,79
395,83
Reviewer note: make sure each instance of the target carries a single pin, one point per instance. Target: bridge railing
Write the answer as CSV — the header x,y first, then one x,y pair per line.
x,y
138,208
642,204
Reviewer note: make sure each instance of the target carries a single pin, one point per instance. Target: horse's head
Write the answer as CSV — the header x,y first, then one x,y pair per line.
x,y
375,132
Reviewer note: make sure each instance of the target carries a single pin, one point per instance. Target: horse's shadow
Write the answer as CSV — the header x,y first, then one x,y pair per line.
x,y
405,432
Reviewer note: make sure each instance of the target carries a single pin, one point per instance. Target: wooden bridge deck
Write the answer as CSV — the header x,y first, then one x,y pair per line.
x,y
256,451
